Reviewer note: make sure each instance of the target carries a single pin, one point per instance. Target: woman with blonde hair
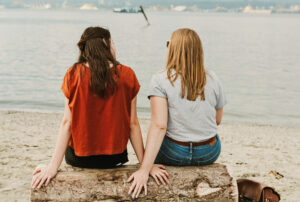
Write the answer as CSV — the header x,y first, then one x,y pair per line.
x,y
186,108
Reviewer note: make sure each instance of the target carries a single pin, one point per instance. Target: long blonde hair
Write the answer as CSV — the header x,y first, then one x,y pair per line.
x,y
185,56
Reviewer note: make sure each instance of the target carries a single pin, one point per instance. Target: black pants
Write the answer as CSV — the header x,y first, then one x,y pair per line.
x,y
97,161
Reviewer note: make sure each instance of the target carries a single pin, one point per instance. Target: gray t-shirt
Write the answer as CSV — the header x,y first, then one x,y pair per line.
x,y
189,121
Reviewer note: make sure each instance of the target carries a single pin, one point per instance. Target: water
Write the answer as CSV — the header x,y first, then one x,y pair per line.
x,y
256,57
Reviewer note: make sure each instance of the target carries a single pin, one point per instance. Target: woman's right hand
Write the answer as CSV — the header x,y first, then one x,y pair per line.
x,y
42,174
160,174
139,181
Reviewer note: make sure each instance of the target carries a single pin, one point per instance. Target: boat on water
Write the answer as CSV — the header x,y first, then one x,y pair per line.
x,y
41,6
178,8
88,7
221,9
127,10
291,10
250,10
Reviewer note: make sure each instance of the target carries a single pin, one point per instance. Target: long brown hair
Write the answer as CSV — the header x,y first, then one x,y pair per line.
x,y
95,49
186,57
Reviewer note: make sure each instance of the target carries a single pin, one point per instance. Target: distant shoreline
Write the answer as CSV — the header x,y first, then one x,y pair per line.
x,y
259,11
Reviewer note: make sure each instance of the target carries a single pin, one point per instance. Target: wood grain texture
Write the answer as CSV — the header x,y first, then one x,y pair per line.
x,y
205,183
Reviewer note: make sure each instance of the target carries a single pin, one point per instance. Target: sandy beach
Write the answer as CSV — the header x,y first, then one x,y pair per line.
x,y
252,151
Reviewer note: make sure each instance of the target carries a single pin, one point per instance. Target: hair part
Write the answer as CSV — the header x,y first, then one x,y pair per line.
x,y
95,49
186,57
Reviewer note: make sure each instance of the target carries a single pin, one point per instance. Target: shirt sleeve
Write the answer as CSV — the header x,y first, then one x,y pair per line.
x,y
136,86
65,85
156,88
221,97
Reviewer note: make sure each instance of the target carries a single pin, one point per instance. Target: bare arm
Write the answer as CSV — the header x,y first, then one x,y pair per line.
x,y
63,138
156,133
135,132
219,114
44,174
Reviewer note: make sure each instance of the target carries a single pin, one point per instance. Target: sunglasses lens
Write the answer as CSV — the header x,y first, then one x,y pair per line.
x,y
168,42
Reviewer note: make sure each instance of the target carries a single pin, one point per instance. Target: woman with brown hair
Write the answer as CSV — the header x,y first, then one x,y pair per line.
x,y
100,111
186,107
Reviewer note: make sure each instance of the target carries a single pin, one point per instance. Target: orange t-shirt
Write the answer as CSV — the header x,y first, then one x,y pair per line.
x,y
99,126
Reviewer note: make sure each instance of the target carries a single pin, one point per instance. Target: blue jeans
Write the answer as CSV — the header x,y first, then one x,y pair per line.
x,y
173,154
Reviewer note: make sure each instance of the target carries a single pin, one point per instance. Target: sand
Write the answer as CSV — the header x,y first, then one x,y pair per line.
x,y
252,151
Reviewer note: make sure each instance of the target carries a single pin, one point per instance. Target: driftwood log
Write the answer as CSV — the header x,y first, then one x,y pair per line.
x,y
205,183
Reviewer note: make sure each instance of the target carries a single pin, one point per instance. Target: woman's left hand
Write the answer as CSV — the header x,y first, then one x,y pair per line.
x,y
139,181
42,174
159,173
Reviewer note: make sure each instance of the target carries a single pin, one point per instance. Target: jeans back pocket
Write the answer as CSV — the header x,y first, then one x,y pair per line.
x,y
169,154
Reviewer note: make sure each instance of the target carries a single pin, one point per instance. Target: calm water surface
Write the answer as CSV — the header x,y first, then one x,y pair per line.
x,y
257,58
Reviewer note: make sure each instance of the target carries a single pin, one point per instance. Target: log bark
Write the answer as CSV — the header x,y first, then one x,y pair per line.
x,y
203,183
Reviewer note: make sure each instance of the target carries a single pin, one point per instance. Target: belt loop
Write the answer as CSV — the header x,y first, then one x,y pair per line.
x,y
191,147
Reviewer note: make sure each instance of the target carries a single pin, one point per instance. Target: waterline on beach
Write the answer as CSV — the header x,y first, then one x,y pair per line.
x,y
255,57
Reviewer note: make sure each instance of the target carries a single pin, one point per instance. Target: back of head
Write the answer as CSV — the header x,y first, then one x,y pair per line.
x,y
186,57
96,50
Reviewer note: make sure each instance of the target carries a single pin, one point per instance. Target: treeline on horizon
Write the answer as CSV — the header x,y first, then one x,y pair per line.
x,y
205,4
